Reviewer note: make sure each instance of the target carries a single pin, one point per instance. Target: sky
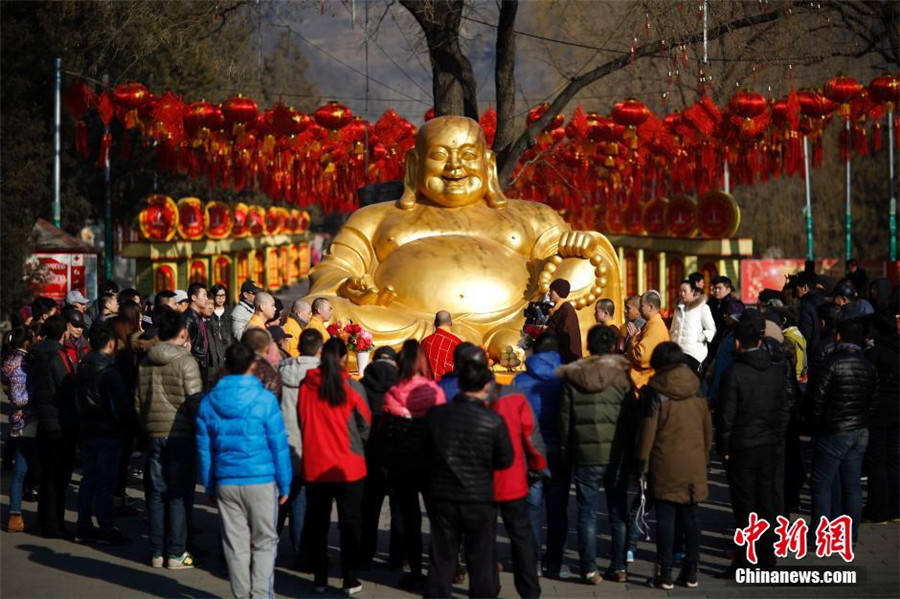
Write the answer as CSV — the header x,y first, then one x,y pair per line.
x,y
398,65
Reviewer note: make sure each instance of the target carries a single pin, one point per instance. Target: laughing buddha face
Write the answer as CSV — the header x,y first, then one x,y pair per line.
x,y
453,162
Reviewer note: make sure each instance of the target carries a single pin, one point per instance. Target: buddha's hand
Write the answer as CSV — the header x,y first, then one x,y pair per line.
x,y
577,244
363,291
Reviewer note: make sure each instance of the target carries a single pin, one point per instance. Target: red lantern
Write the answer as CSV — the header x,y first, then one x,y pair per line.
x,y
131,96
429,114
630,113
539,110
603,128
202,114
814,104
842,90
885,90
239,110
334,116
747,105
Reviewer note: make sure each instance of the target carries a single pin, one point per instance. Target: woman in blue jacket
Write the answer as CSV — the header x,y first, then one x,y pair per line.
x,y
245,466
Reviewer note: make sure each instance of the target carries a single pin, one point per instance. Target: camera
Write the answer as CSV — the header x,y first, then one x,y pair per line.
x,y
537,313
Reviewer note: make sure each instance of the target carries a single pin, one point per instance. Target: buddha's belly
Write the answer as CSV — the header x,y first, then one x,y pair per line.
x,y
455,273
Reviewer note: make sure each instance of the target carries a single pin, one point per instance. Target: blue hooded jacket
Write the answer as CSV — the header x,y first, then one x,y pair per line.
x,y
543,388
240,436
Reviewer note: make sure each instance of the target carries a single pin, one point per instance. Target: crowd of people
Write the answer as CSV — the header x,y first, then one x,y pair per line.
x,y
257,404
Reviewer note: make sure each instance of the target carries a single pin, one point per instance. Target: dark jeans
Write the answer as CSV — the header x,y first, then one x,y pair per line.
x,y
373,498
667,513
752,481
554,496
170,478
518,528
407,490
295,509
319,497
100,458
451,522
588,480
840,454
57,455
24,452
883,462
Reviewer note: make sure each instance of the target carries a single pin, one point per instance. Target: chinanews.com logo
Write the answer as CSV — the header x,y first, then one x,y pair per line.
x,y
832,537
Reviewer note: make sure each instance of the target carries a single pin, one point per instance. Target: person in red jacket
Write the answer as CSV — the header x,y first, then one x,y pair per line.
x,y
511,486
334,424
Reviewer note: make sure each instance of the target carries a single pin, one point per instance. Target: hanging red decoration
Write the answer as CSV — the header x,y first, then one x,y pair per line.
x,y
843,91
539,110
747,105
239,110
131,96
429,114
630,113
814,104
886,90
78,100
333,115
202,115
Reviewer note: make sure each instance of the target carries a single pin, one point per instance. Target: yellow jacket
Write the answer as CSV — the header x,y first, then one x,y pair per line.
x,y
256,321
641,348
293,327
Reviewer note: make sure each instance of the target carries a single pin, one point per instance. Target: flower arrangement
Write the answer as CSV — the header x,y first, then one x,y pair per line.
x,y
357,338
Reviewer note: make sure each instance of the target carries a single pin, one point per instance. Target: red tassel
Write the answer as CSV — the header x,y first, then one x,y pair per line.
x,y
877,137
860,143
105,147
844,144
817,153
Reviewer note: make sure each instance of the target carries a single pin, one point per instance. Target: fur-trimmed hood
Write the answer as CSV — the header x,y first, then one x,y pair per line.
x,y
595,373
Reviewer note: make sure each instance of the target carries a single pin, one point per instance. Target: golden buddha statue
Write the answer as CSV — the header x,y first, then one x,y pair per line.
x,y
454,242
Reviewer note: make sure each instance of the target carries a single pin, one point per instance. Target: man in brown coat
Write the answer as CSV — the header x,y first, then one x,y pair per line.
x,y
564,322
674,446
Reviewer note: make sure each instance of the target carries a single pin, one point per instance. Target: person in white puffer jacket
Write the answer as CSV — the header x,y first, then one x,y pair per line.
x,y
693,326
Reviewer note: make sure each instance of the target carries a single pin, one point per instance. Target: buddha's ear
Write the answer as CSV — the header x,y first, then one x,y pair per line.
x,y
494,193
408,199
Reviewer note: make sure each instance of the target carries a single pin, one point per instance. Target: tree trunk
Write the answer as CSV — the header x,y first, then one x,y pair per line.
x,y
455,89
505,78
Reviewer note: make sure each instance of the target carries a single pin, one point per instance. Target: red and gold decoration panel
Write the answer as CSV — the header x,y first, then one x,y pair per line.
x,y
158,221
191,218
218,220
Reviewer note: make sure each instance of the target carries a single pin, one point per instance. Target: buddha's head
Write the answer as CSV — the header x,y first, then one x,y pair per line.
x,y
451,166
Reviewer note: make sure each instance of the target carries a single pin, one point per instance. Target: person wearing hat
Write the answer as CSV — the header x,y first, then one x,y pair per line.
x,y
564,322
77,301
242,312
74,343
282,339
733,313
182,300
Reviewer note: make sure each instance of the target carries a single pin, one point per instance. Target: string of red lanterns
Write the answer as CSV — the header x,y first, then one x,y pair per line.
x,y
598,169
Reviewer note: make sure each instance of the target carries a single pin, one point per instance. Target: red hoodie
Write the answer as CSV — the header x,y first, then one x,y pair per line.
x,y
333,436
528,447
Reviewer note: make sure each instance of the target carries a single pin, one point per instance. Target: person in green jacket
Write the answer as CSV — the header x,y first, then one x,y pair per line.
x,y
595,389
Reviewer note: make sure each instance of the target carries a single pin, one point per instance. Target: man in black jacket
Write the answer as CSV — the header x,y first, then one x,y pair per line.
x,y
53,373
197,328
104,404
466,442
752,419
842,398
810,299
